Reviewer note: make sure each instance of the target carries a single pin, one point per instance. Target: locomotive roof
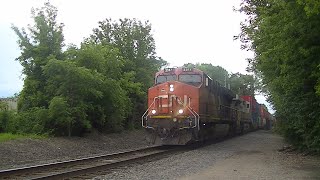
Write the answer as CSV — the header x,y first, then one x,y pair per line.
x,y
178,70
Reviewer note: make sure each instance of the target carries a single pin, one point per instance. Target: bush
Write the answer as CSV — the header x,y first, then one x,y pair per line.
x,y
28,122
60,120
5,117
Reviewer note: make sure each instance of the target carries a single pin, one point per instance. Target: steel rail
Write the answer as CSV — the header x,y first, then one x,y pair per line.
x,y
65,169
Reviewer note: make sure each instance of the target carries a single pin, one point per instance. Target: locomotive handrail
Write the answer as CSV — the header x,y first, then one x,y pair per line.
x,y
195,114
142,118
197,117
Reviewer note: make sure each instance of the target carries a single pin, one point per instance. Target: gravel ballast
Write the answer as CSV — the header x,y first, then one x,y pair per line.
x,y
256,155
252,156
26,152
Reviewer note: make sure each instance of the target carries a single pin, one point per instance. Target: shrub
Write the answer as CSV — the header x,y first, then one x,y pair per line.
x,y
30,122
5,117
60,119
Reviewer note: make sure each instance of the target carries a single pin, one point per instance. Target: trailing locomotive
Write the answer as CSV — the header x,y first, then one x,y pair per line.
x,y
186,105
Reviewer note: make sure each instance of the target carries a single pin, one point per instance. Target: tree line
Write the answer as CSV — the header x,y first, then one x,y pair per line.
x,y
285,38
241,84
102,84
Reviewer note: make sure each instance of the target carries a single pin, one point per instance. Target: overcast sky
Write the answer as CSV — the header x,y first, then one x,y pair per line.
x,y
184,31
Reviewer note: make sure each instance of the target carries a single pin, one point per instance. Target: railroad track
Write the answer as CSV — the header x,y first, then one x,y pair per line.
x,y
86,167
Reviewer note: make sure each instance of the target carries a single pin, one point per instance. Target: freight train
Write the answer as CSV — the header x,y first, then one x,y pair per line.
x,y
186,105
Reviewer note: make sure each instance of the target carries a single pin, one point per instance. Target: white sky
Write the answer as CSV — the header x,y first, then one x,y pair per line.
x,y
184,31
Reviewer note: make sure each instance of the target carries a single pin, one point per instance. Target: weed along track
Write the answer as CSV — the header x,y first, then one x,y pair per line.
x,y
88,167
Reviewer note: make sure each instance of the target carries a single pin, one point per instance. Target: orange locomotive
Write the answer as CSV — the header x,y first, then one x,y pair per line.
x,y
186,105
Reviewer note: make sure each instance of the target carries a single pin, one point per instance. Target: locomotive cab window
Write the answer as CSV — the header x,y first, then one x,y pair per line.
x,y
190,78
165,78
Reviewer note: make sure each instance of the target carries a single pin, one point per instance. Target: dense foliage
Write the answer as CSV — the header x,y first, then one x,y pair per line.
x,y
244,84
241,84
137,46
102,84
285,38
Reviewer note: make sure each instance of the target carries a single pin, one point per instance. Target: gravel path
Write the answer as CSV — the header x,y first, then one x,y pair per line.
x,y
251,156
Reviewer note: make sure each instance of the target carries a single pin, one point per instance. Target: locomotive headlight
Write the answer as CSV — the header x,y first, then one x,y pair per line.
x,y
180,111
171,88
153,111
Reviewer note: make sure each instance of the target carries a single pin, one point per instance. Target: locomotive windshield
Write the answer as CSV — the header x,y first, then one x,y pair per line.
x,y
190,78
165,78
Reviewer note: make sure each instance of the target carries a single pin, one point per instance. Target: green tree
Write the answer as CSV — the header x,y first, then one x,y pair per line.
x,y
107,60
60,116
3,106
43,41
243,84
284,36
104,59
29,121
312,7
94,99
76,85
136,45
4,116
102,84
217,73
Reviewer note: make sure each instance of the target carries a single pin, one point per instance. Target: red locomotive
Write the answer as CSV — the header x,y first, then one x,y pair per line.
x,y
186,105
